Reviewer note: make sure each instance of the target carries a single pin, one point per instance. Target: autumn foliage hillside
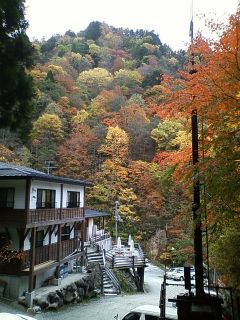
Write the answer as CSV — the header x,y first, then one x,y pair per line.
x,y
114,106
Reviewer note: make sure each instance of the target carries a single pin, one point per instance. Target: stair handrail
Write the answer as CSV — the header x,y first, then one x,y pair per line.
x,y
98,241
141,253
104,258
113,278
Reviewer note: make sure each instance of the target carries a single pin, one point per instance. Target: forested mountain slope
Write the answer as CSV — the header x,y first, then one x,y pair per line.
x,y
95,118
113,106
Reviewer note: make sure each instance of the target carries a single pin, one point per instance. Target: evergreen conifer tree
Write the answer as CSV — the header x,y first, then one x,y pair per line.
x,y
16,58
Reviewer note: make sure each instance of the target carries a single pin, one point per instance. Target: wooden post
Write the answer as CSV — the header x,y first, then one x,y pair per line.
x,y
59,250
32,259
141,278
83,258
59,241
49,241
27,198
113,261
83,231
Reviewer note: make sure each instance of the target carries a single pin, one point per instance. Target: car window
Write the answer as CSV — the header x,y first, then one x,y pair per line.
x,y
149,317
132,316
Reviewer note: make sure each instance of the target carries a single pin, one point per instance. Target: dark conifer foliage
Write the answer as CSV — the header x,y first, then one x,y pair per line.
x,y
16,57
93,30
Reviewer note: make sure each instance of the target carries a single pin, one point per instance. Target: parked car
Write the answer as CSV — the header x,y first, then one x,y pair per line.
x,y
11,316
150,312
179,274
171,271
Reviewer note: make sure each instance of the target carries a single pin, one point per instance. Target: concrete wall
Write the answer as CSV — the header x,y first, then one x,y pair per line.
x,y
16,286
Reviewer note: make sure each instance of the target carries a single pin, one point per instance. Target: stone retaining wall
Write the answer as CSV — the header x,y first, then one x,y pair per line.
x,y
85,288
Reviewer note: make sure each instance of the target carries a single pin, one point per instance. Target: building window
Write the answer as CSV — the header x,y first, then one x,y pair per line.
x,y
65,233
39,238
73,199
45,198
6,197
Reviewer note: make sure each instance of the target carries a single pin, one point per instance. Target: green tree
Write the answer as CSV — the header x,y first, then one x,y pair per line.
x,y
94,80
93,31
46,135
225,251
129,80
12,149
16,57
166,133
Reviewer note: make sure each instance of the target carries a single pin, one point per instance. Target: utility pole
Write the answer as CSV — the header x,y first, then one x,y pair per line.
x,y
197,225
49,166
201,306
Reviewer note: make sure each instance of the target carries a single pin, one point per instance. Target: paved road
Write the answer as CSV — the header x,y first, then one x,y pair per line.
x,y
107,307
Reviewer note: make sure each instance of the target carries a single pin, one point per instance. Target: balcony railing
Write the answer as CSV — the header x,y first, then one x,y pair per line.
x,y
20,218
46,215
49,252
42,254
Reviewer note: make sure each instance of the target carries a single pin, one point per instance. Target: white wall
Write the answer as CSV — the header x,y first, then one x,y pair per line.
x,y
20,191
90,228
76,188
37,184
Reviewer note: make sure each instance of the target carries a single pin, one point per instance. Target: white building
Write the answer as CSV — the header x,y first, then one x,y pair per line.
x,y
42,216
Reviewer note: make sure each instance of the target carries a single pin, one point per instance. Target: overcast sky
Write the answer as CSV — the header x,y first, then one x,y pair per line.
x,y
168,18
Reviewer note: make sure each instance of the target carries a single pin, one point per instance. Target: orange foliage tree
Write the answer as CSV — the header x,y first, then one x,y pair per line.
x,y
76,158
212,90
211,86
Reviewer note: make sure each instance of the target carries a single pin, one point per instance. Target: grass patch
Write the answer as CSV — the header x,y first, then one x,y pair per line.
x,y
126,283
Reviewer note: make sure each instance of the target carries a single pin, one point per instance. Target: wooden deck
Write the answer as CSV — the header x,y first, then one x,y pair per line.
x,y
41,266
124,258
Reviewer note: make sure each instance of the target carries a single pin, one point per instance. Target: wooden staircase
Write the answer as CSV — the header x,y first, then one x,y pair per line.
x,y
110,285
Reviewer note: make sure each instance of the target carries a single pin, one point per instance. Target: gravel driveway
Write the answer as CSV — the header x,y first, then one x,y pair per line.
x,y
107,307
